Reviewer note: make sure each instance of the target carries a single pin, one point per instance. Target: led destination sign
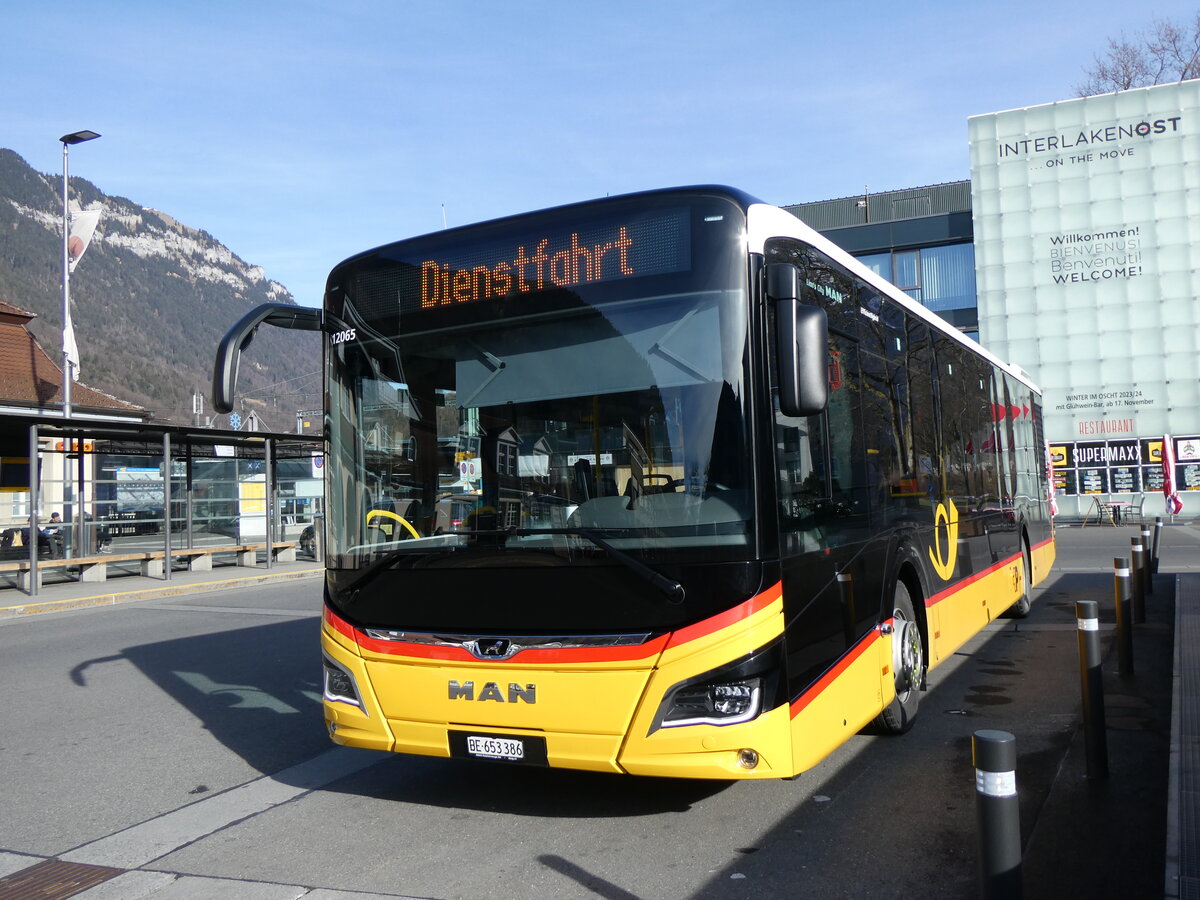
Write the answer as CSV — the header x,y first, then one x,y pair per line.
x,y
564,258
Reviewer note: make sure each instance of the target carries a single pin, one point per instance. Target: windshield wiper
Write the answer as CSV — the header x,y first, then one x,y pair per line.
x,y
673,589
669,586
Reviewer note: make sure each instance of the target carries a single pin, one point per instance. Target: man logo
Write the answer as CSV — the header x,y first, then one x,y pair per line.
x,y
492,648
491,691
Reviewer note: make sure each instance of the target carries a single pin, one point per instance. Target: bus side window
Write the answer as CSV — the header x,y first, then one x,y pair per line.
x,y
822,479
801,456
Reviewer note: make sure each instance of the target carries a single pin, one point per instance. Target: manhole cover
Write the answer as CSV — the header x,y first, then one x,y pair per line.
x,y
53,879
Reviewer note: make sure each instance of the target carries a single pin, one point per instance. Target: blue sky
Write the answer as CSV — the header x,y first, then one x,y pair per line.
x,y
300,133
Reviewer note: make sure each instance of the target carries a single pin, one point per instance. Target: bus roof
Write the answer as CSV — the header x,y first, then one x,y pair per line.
x,y
740,198
764,221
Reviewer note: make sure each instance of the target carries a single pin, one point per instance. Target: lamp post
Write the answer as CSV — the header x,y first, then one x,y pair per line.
x,y
77,137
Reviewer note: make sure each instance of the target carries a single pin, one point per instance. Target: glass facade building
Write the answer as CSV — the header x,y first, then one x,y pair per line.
x,y
1074,252
1087,242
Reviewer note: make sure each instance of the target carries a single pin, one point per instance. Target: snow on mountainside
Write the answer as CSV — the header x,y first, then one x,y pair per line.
x,y
195,252
150,299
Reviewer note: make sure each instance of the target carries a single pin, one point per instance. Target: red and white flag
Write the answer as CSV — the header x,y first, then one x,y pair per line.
x,y
1170,490
83,226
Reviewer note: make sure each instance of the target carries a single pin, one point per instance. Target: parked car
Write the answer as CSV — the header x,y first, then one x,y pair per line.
x,y
308,541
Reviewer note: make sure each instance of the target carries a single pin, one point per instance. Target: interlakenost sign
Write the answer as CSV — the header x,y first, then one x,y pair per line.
x,y
1087,248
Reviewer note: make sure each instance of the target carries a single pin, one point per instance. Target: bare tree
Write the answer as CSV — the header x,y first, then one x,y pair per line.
x,y
1167,52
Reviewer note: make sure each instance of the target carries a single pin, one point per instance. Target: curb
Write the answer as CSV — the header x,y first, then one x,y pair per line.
x,y
1171,883
110,599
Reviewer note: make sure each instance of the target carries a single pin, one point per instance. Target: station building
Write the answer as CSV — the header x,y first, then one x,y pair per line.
x,y
1074,252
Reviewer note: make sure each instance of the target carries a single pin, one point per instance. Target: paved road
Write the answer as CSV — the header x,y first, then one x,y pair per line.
x,y
180,742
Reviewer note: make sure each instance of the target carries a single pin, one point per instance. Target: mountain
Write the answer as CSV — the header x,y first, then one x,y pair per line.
x,y
150,299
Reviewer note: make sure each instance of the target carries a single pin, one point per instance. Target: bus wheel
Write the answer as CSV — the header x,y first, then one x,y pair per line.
x,y
1024,603
908,665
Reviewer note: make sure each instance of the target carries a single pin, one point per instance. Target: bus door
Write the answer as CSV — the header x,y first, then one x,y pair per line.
x,y
825,526
899,424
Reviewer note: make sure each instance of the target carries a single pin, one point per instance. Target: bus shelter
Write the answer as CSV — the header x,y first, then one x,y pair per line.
x,y
80,496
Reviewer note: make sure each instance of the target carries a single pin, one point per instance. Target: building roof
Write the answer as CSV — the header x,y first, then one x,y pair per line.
x,y
885,206
29,378
12,314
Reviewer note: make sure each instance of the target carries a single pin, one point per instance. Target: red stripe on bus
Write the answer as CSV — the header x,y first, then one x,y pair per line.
x,y
340,625
978,576
730,617
868,640
532,656
858,649
651,648
630,653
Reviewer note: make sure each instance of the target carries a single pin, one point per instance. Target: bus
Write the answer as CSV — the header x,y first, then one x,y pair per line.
x,y
661,484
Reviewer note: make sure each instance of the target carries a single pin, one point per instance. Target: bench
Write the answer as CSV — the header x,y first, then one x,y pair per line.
x,y
91,568
199,559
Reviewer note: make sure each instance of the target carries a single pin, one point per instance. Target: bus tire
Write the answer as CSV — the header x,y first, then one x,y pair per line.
x,y
908,664
1024,603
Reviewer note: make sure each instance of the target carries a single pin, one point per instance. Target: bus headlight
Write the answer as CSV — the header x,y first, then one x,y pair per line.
x,y
729,695
726,703
340,686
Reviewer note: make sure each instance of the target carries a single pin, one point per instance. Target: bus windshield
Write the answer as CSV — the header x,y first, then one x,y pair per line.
x,y
591,427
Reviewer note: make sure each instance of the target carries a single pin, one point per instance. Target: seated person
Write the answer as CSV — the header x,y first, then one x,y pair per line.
x,y
52,534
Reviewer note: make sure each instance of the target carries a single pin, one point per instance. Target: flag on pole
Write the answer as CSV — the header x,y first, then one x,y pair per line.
x,y
1170,490
70,348
83,226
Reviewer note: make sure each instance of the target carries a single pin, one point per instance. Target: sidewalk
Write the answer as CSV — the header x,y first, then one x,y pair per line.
x,y
1183,792
1135,833
62,595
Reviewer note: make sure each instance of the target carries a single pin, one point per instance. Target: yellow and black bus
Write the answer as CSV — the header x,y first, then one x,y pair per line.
x,y
662,484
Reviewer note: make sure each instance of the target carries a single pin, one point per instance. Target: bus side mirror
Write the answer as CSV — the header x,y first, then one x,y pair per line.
x,y
801,345
238,338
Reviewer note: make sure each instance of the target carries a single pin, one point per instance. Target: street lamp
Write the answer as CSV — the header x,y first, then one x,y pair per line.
x,y
77,137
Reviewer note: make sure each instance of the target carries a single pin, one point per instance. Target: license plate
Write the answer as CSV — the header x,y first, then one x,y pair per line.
x,y
527,750
495,748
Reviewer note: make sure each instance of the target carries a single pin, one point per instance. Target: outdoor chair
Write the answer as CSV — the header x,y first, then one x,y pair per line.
x,y
1134,512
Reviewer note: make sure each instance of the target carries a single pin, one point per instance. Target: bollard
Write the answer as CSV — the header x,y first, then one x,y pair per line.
x,y
1157,533
1150,550
997,814
1137,581
849,614
1091,685
1124,626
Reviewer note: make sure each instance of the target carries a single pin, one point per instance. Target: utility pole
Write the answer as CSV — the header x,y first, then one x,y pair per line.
x,y
69,351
